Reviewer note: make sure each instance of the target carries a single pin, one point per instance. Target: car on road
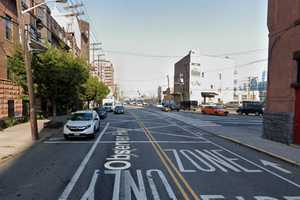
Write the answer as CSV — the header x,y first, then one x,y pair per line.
x,y
251,107
109,104
232,105
172,106
84,123
160,106
101,111
119,109
166,109
214,110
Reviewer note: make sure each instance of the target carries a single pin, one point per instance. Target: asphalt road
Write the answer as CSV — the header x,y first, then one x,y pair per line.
x,y
144,154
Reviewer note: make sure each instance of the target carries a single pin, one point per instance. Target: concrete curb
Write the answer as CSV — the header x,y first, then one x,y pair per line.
x,y
294,163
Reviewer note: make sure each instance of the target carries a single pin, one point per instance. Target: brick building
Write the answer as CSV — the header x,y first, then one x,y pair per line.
x,y
10,101
282,114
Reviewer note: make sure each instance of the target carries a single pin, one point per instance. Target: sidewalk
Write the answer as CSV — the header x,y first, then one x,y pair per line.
x,y
17,139
284,152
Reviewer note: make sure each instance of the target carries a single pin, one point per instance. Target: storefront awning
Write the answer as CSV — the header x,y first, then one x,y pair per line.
x,y
209,94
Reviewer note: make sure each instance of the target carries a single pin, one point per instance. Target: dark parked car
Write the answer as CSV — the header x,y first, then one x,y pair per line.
x,y
174,107
251,107
119,110
101,112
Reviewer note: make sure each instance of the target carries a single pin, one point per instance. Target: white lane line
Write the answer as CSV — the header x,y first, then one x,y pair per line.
x,y
71,184
253,163
111,142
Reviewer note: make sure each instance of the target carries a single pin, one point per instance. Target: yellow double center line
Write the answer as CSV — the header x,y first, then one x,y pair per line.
x,y
169,165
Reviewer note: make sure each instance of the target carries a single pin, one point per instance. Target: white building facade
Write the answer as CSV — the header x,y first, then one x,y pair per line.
x,y
205,79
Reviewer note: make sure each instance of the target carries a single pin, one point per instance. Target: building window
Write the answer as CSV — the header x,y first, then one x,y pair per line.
x,y
211,86
202,75
8,27
220,76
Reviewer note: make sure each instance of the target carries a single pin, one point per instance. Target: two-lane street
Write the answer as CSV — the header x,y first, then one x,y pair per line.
x,y
145,154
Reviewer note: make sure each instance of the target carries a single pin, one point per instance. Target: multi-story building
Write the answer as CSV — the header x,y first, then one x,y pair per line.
x,y
107,73
10,103
104,70
204,79
282,112
42,28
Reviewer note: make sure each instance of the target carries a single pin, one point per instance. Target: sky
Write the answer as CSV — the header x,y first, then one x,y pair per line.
x,y
133,30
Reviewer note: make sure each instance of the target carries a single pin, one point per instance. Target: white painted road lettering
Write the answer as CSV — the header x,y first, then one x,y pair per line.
x,y
220,197
209,161
164,180
133,186
120,160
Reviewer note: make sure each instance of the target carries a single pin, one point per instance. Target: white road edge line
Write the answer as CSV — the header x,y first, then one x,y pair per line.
x,y
68,189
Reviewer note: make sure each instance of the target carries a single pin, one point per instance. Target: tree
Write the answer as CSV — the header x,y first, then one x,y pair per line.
x,y
102,92
59,76
94,90
90,89
16,68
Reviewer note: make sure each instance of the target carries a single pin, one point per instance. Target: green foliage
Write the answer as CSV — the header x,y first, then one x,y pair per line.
x,y
59,76
17,69
90,88
102,92
94,90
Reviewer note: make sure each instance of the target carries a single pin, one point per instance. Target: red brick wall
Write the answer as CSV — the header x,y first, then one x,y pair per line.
x,y
8,90
7,46
284,42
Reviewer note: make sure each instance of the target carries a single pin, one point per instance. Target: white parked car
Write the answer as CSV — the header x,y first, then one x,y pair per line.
x,y
82,123
159,106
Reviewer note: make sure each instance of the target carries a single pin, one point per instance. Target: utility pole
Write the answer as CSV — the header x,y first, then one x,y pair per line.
x,y
95,47
100,65
168,78
25,37
27,60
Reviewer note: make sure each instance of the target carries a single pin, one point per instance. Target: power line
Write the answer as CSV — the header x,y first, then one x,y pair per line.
x,y
141,54
240,66
241,52
138,54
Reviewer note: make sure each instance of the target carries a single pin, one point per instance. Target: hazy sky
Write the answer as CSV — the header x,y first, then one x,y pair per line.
x,y
173,27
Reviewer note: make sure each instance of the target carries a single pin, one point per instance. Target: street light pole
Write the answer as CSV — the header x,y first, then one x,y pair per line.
x,y
24,35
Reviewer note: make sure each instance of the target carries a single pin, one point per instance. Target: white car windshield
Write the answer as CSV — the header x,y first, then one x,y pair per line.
x,y
82,117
